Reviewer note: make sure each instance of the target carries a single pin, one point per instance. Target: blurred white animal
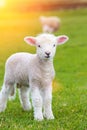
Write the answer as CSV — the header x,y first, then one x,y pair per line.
x,y
34,71
50,24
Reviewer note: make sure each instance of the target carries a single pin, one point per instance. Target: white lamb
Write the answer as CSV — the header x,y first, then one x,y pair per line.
x,y
34,71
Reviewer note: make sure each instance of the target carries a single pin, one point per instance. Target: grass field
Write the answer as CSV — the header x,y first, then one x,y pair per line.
x,y
70,85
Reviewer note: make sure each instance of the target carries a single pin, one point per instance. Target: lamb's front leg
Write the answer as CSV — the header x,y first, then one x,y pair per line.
x,y
37,103
47,102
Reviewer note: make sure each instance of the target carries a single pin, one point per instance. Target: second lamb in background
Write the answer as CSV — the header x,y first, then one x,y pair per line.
x,y
50,24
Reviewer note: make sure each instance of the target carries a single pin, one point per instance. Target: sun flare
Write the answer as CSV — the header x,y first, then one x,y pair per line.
x,y
2,3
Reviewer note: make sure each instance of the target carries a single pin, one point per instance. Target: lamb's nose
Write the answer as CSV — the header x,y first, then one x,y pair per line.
x,y
47,53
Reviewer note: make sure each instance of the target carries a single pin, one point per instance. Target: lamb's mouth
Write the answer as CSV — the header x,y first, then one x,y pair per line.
x,y
47,56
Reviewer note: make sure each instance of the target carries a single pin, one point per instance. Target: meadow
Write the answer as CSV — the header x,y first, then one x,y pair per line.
x,y
70,84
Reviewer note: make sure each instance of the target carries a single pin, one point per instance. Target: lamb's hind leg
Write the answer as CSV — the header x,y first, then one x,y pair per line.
x,y
12,94
4,94
24,97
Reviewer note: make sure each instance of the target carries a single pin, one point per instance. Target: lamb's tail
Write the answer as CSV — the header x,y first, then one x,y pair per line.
x,y
12,93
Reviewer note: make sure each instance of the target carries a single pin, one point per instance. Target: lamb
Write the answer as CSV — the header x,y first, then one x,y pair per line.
x,y
34,73
50,24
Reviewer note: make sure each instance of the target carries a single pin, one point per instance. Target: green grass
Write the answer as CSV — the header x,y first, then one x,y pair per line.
x,y
70,87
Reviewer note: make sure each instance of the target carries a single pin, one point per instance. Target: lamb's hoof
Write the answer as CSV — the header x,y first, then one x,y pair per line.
x,y
2,107
38,117
49,116
2,103
27,107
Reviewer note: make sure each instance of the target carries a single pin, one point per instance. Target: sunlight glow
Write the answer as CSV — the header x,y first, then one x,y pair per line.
x,y
2,3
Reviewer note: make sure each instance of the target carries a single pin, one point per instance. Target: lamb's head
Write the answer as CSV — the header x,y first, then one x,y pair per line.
x,y
46,44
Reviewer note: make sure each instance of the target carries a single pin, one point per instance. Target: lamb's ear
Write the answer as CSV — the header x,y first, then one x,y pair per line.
x,y
30,40
62,39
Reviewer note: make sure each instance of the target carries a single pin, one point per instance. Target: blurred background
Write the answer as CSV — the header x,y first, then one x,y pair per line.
x,y
38,5
19,18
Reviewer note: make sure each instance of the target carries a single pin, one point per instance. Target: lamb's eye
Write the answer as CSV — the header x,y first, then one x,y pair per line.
x,y
54,45
39,46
